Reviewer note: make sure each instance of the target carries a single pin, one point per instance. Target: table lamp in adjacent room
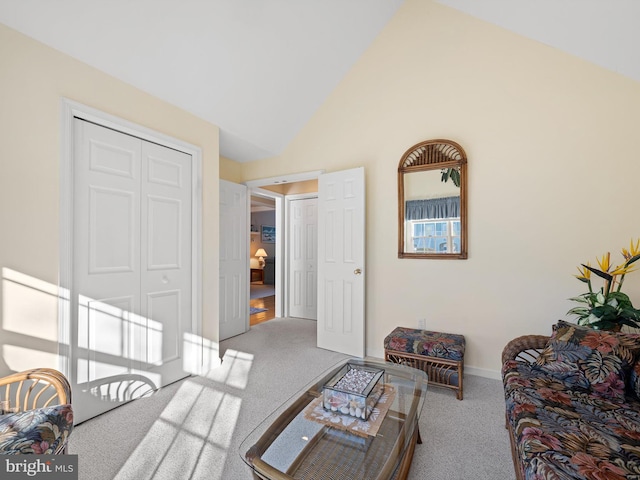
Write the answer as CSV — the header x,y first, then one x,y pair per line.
x,y
261,254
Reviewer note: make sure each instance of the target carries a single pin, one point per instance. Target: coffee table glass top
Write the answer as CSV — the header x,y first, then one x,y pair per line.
x,y
289,445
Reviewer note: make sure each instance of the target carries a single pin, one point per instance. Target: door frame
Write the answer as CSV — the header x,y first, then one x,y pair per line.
x,y
282,300
71,109
310,176
279,245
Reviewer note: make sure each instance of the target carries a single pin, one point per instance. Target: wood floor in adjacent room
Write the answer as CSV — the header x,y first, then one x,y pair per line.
x,y
265,302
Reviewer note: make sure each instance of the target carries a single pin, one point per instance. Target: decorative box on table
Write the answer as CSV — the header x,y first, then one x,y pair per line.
x,y
354,390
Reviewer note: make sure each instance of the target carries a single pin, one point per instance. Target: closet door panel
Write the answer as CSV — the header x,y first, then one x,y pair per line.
x,y
166,240
106,265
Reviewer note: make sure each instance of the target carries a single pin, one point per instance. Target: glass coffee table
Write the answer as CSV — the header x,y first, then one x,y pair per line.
x,y
303,441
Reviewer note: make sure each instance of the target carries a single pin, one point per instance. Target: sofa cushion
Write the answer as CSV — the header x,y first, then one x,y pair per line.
x,y
634,380
40,431
424,342
604,358
563,433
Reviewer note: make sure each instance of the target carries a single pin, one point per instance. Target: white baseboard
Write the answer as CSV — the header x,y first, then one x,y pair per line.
x,y
480,372
483,372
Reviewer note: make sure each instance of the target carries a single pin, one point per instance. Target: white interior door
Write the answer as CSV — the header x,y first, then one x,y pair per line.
x,y
341,255
303,258
234,259
132,267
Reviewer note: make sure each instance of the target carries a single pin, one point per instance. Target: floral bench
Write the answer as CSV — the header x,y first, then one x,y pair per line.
x,y
440,355
573,404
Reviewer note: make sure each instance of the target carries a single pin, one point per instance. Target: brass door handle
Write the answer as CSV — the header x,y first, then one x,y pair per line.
x,y
357,271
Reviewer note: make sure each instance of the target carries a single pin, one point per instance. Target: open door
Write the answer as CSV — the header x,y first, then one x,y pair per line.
x,y
234,260
341,255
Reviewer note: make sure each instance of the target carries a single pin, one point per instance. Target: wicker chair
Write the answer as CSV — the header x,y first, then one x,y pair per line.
x,y
43,394
525,348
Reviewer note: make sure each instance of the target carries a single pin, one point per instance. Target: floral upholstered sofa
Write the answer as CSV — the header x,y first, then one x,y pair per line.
x,y
573,404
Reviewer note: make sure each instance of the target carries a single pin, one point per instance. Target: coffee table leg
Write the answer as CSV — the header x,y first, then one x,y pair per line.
x,y
405,462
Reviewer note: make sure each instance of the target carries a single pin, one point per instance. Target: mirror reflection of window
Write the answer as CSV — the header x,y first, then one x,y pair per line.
x,y
433,236
432,201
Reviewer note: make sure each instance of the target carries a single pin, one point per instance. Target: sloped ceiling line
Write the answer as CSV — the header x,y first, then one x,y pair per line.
x,y
260,69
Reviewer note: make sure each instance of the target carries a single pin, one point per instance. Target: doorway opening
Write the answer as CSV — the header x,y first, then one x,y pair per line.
x,y
340,255
271,288
262,262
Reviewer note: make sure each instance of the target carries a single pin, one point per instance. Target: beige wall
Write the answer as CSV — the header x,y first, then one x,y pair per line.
x,y
553,172
33,79
552,175
230,170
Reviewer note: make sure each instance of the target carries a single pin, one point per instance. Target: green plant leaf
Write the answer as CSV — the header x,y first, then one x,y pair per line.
x,y
633,259
629,322
578,310
599,273
579,299
605,312
630,312
622,299
455,176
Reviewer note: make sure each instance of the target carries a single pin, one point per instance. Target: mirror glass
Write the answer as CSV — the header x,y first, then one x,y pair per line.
x,y
432,201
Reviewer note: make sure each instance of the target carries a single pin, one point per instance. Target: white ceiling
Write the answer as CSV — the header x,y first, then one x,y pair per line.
x,y
259,69
604,32
262,204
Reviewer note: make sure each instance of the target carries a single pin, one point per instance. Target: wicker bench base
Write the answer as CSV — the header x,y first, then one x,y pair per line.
x,y
442,372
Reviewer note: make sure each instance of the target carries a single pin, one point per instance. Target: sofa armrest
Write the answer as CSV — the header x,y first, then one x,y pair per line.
x,y
525,348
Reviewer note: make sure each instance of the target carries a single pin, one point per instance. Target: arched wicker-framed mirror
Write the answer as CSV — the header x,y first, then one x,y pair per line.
x,y
432,201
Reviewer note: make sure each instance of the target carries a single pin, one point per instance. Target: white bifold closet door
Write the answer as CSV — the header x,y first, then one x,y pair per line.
x,y
131,297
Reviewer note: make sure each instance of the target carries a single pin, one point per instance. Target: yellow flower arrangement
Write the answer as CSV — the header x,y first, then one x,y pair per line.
x,y
608,308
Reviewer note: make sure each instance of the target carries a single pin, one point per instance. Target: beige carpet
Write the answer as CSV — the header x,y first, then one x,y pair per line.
x,y
193,428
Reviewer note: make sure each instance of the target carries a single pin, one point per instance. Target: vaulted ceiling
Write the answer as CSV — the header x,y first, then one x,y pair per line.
x,y
259,69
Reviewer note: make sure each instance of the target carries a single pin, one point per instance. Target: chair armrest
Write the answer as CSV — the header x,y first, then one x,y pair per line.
x,y
525,348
